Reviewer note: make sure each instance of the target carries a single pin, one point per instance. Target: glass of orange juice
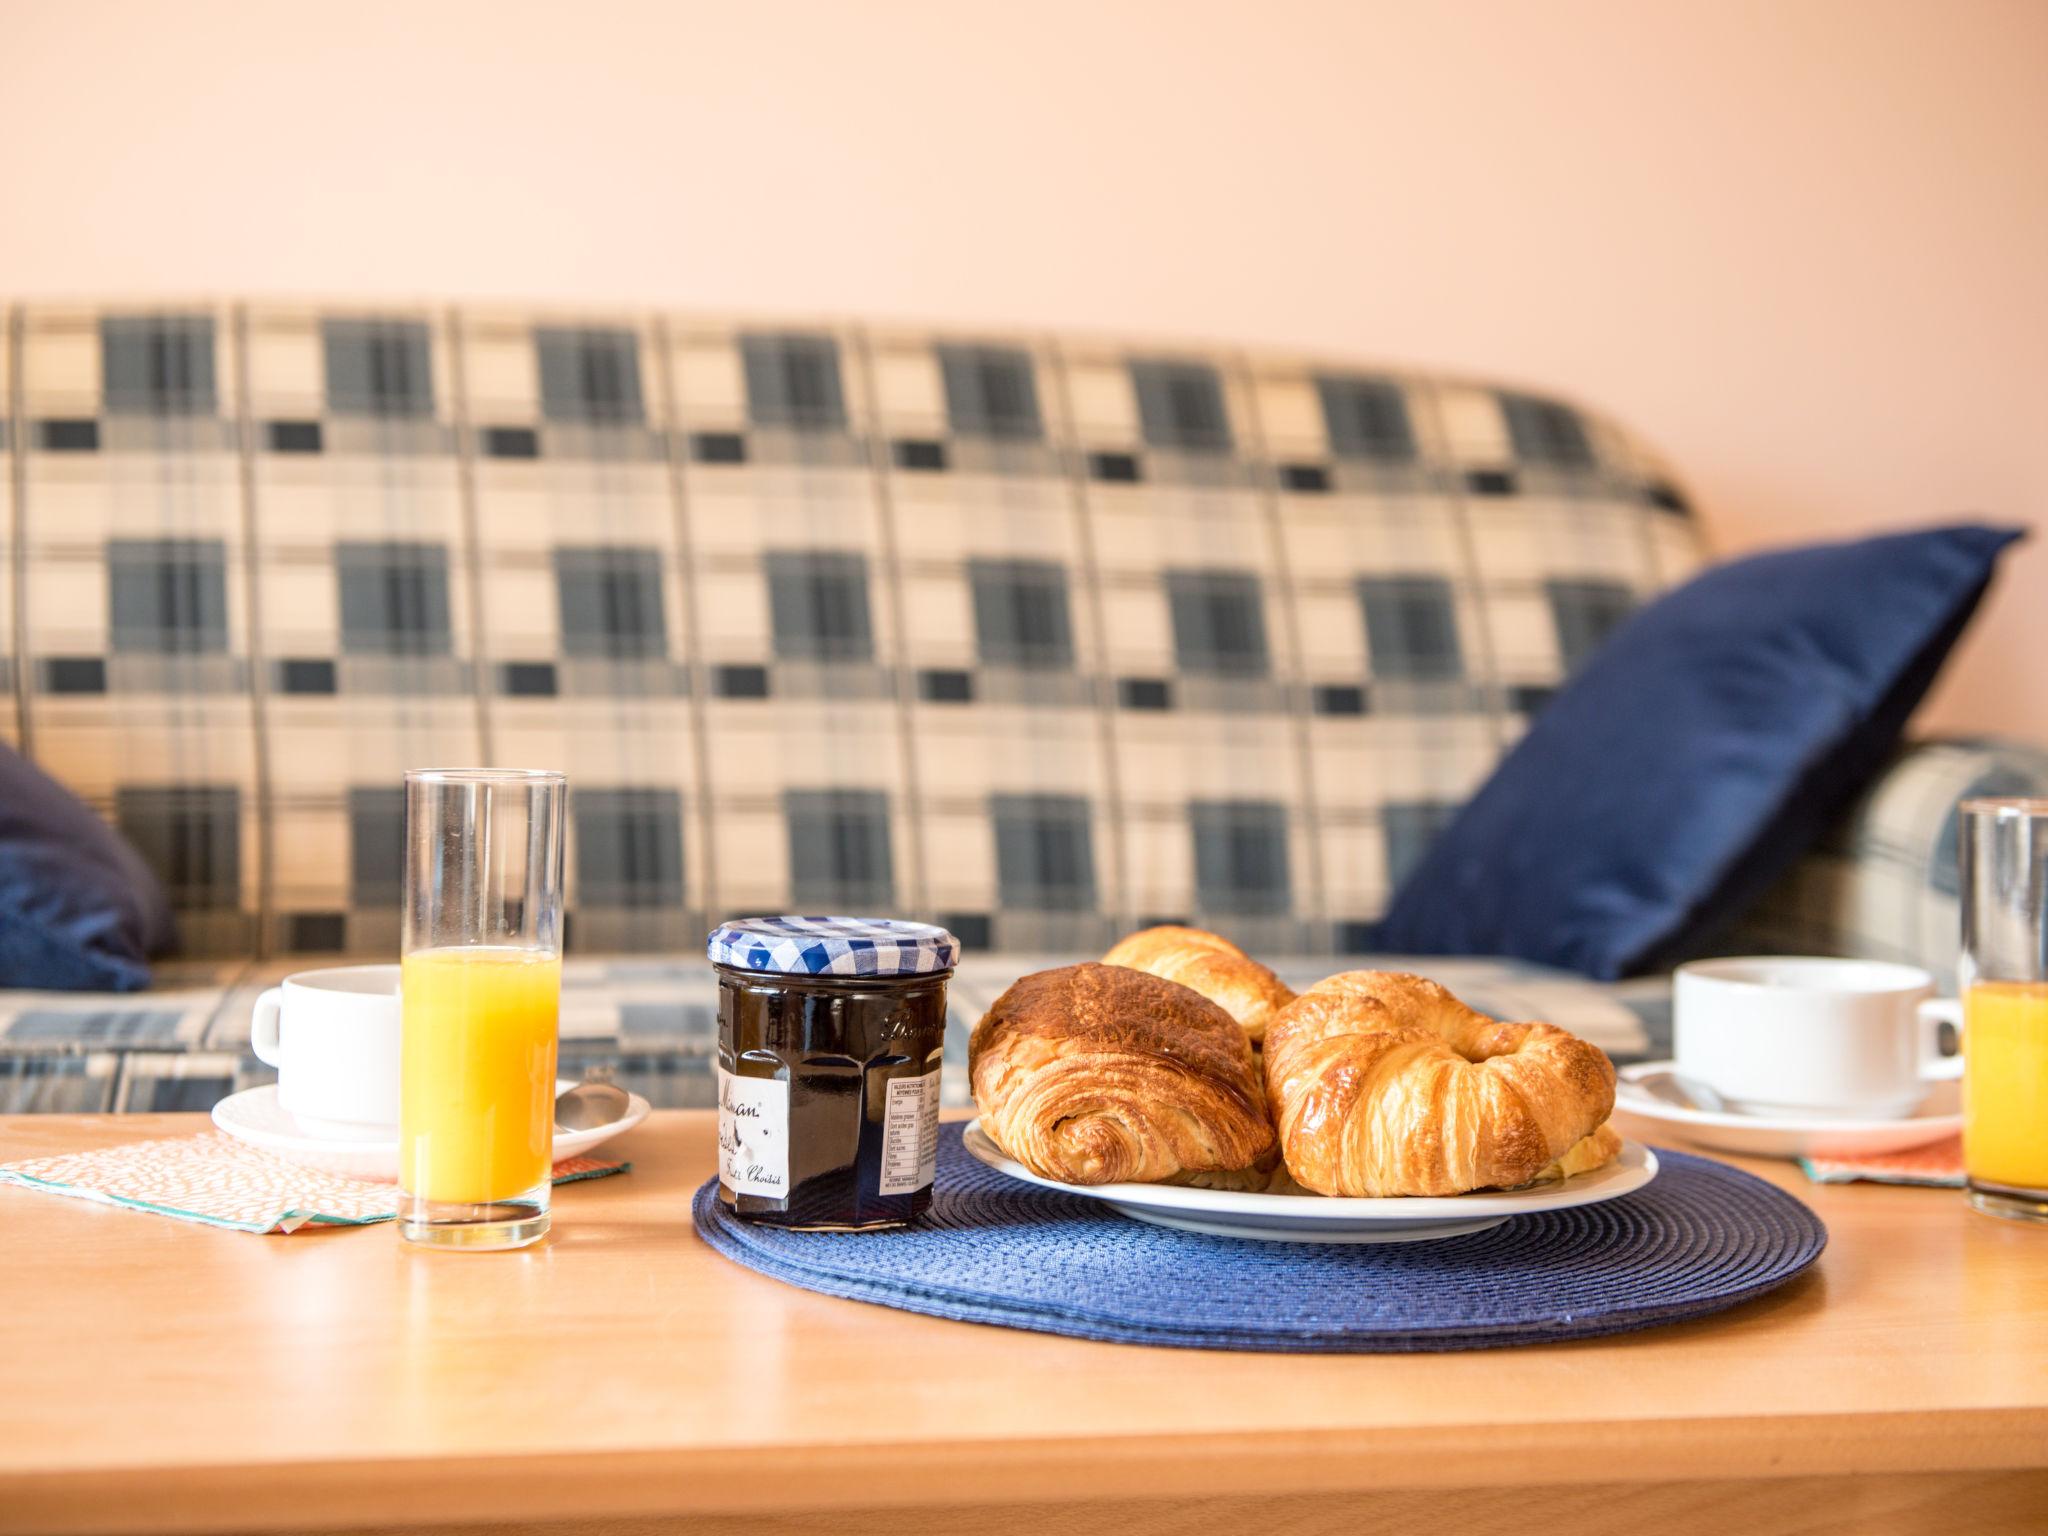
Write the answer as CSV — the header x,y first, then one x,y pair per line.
x,y
2003,856
480,986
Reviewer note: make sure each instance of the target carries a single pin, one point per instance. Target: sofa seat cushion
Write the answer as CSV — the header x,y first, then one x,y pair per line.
x,y
649,1023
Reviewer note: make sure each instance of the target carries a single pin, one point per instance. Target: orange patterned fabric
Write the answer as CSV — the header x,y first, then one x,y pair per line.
x,y
1939,1164
216,1180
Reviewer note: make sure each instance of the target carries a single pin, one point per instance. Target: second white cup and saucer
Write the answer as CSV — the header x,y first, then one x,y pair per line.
x,y
334,1036
1789,1056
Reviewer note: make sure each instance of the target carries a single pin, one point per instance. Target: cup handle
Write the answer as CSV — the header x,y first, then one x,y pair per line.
x,y
1935,1067
263,1027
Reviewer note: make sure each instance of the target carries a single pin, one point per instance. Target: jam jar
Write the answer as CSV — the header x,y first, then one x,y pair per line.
x,y
830,1035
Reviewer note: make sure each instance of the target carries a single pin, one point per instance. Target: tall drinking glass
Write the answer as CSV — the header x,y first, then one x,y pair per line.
x,y
481,986
2003,853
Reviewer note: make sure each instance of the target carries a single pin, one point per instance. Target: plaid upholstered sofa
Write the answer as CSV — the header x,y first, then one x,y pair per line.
x,y
1044,638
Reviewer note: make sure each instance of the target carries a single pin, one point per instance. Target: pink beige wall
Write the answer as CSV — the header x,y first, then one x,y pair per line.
x,y
1802,244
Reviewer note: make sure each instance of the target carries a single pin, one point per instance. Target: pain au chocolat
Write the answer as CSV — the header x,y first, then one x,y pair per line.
x,y
1100,1074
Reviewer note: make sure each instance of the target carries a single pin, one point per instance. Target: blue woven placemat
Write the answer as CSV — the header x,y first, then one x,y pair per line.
x,y
1699,1238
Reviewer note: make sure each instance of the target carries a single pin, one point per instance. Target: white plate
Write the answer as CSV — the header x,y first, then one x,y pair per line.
x,y
1641,1113
255,1116
1330,1219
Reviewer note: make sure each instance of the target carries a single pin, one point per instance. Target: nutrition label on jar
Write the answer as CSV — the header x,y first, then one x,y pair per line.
x,y
910,1134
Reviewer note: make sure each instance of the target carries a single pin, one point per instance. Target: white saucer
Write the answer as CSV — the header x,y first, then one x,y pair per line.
x,y
1640,1113
1329,1219
371,1152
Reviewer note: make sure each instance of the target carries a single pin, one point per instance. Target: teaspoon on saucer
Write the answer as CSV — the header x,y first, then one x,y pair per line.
x,y
590,1105
1685,1092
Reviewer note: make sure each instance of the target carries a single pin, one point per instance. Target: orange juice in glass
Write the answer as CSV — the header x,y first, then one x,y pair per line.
x,y
2002,857
478,1117
2005,1085
480,986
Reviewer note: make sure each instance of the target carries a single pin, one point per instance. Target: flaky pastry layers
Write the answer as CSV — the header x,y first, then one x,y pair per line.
x,y
1100,1074
1382,1083
1211,965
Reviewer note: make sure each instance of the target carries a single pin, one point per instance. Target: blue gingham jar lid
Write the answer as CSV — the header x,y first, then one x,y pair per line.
x,y
833,946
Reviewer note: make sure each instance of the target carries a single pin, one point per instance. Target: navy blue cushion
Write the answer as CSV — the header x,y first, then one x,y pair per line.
x,y
79,910
1702,749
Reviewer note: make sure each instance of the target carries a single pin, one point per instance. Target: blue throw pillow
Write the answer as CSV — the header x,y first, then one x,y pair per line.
x,y
1699,753
79,910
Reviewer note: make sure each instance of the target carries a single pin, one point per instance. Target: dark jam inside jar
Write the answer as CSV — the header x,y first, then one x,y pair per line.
x,y
828,1096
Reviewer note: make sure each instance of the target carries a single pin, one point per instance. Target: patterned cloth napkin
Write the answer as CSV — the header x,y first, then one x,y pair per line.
x,y
222,1182
1939,1163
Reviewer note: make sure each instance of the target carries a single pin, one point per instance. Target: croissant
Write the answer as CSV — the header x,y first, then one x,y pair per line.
x,y
1212,966
1385,1084
1097,1074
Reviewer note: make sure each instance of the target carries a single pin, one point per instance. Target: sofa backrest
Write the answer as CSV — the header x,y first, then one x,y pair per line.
x,y
1042,637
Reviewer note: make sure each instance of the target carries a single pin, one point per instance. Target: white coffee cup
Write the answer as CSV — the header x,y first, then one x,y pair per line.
x,y
333,1036
1793,1037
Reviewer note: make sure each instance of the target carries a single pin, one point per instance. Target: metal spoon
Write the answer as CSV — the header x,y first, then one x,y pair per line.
x,y
1685,1092
590,1105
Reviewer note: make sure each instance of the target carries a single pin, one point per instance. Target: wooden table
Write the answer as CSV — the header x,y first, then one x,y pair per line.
x,y
159,1375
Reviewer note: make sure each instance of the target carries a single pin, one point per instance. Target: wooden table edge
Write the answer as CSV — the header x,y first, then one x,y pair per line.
x,y
637,1483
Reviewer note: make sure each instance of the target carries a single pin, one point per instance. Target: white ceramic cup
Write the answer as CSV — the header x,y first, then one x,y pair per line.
x,y
333,1036
1793,1037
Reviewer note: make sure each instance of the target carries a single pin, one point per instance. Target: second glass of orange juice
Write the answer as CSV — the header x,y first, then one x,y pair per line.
x,y
2002,849
480,987
2005,1088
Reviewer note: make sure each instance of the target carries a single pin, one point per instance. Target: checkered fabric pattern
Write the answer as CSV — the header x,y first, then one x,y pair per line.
x,y
1037,639
10,719
1884,883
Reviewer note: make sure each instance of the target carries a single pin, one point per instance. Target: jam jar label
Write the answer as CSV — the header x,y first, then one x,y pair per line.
x,y
910,1134
753,1135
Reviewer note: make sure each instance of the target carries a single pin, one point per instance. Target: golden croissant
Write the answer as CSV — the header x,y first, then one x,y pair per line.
x,y
1210,965
1097,1074
1383,1083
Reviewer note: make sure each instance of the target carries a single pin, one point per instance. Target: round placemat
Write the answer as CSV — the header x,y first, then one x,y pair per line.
x,y
1700,1238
